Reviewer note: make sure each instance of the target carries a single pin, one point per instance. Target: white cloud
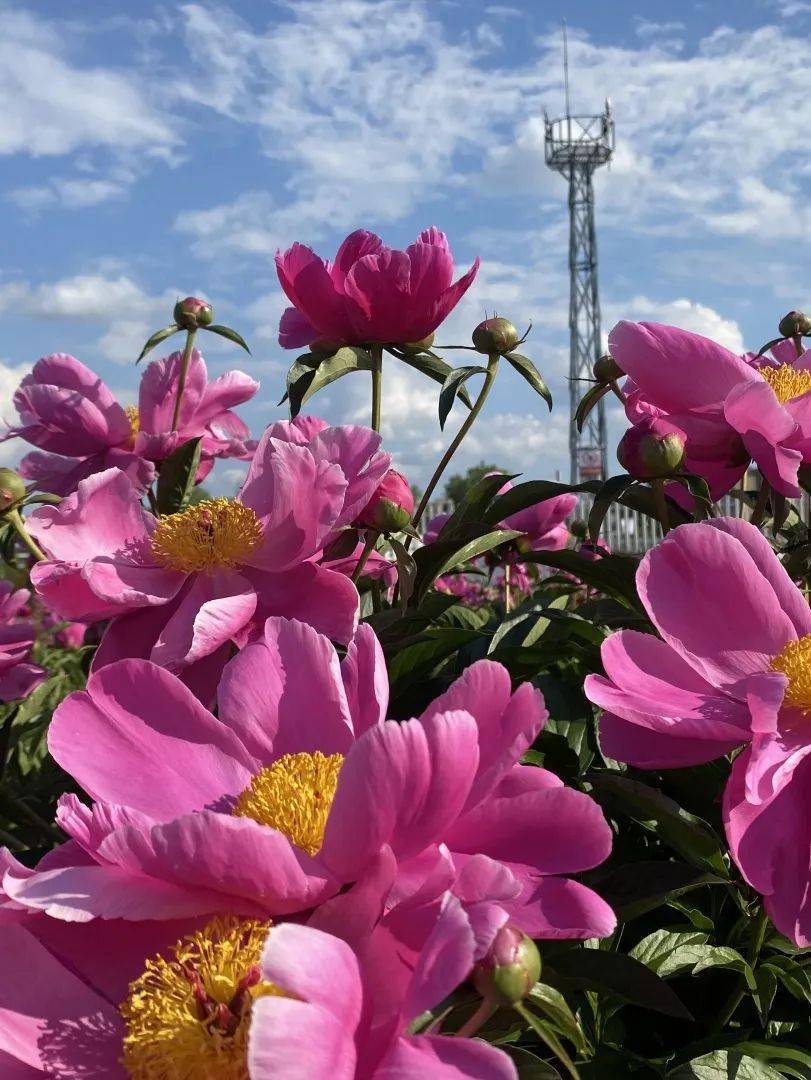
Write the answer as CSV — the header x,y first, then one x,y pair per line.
x,y
686,314
53,106
75,194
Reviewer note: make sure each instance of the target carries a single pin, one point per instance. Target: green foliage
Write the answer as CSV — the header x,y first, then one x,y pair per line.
x,y
458,485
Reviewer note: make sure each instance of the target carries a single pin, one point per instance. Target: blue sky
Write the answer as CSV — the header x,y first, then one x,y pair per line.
x,y
151,151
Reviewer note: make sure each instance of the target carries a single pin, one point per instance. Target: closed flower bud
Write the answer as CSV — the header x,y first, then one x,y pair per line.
x,y
607,370
510,969
579,529
191,313
652,449
795,324
390,508
12,488
495,336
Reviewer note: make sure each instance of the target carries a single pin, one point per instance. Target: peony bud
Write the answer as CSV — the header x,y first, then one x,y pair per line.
x,y
579,529
421,345
651,449
191,313
391,506
510,969
495,336
607,370
12,488
795,324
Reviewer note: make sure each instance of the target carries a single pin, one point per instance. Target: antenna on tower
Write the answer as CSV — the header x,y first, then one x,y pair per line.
x,y
575,146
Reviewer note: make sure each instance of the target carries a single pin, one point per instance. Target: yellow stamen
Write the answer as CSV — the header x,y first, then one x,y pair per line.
x,y
787,382
187,1017
294,795
213,534
794,661
134,419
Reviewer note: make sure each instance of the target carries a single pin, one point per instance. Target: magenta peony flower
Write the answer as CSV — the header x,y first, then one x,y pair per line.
x,y
185,585
729,410
732,669
70,414
205,411
18,677
331,1027
278,1001
371,293
300,785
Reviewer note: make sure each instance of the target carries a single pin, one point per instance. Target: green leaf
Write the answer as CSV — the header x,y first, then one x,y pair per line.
x,y
231,335
614,575
156,339
476,500
406,570
428,363
450,388
176,477
608,493
724,1065
796,979
309,381
417,661
556,1009
621,976
529,1066
699,489
437,559
524,628
636,888
721,956
668,952
684,832
525,367
588,402
788,1060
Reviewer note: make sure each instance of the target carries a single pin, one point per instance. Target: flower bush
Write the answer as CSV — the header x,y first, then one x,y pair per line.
x,y
306,780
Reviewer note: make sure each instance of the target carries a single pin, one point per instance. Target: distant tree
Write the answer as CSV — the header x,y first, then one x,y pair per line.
x,y
458,484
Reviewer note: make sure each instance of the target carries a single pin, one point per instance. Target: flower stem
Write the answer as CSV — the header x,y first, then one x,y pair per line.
x,y
550,1040
660,502
368,548
507,597
759,512
617,392
479,1017
377,384
184,371
489,379
15,519
737,995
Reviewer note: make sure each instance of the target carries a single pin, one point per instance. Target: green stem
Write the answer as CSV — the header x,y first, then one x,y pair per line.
x,y
184,371
489,379
759,512
17,523
479,1017
377,384
507,597
617,392
737,995
368,548
660,502
553,1044
377,596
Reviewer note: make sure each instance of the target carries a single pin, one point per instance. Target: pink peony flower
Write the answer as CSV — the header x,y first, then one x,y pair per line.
x,y
543,523
186,585
194,814
371,293
18,677
729,410
205,411
377,566
332,1027
71,415
280,1001
732,669
434,527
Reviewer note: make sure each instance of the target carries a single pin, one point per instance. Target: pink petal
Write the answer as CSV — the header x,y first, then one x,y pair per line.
x,y
357,244
696,572
158,392
552,830
298,1040
676,369
635,740
295,330
444,1058
222,394
212,611
442,308
765,425
137,736
403,785
295,958
49,1019
554,908
284,694
309,288
366,680
379,286
355,450
445,960
310,593
66,422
